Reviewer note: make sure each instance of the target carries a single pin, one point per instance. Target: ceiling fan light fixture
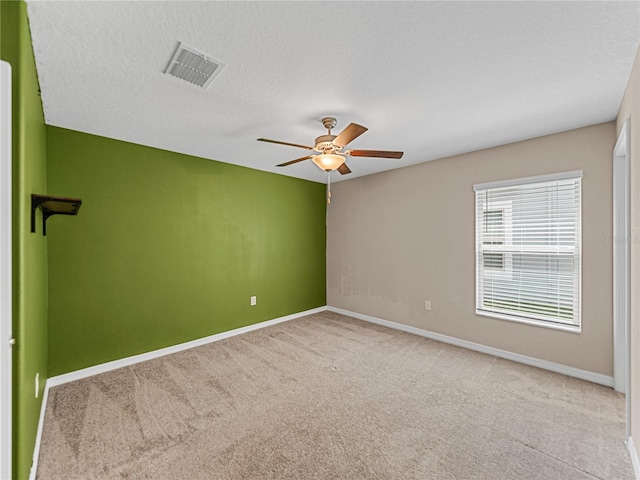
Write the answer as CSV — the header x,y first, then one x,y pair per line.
x,y
328,161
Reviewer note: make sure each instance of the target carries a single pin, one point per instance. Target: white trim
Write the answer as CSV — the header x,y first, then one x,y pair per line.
x,y
525,180
105,367
143,357
5,270
530,321
516,357
635,462
621,275
36,448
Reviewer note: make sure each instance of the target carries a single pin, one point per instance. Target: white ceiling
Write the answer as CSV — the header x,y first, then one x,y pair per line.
x,y
430,78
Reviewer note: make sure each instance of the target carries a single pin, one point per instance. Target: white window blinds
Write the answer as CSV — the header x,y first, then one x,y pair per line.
x,y
528,249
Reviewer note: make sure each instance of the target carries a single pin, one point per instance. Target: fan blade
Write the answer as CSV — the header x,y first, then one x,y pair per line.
x,y
375,153
284,143
343,169
294,161
349,134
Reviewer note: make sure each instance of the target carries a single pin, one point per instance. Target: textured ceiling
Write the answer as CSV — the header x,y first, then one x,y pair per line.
x,y
430,78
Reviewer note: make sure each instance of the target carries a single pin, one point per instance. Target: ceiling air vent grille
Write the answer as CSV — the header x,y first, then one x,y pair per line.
x,y
193,66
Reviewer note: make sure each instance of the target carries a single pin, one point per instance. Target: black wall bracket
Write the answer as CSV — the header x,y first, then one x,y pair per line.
x,y
52,206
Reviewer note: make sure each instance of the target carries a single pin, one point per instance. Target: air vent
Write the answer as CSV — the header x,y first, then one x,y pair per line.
x,y
193,66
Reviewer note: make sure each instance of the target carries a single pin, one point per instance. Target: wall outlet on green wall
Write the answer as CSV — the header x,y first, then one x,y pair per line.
x,y
253,300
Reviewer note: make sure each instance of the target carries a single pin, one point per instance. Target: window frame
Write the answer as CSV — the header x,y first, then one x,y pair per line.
x,y
521,317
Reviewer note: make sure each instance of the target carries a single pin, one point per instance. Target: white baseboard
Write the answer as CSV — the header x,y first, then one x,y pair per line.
x,y
143,357
36,448
634,457
516,357
105,367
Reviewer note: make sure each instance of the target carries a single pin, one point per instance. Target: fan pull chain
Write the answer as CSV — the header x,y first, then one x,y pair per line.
x,y
328,187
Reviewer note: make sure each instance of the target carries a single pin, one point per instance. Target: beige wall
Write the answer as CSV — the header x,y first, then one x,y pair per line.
x,y
401,237
630,108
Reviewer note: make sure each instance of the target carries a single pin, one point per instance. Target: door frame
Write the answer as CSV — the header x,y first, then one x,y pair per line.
x,y
621,270
6,316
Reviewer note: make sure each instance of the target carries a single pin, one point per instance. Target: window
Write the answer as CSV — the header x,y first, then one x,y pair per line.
x,y
494,229
528,238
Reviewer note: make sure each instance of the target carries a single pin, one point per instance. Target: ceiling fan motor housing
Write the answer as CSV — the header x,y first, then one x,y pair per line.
x,y
324,143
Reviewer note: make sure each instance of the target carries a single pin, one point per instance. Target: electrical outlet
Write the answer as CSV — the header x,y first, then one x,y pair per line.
x,y
253,300
37,384
427,305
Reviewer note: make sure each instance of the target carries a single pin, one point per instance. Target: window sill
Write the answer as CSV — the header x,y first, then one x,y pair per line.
x,y
535,323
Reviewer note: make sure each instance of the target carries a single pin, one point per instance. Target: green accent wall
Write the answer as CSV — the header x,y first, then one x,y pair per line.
x,y
30,249
168,248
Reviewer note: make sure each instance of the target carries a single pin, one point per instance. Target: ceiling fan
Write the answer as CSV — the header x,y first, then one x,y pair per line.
x,y
330,154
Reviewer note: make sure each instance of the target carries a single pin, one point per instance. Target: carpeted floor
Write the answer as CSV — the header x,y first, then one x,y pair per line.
x,y
330,397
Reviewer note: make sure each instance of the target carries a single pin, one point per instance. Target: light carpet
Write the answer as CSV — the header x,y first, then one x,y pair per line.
x,y
330,397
